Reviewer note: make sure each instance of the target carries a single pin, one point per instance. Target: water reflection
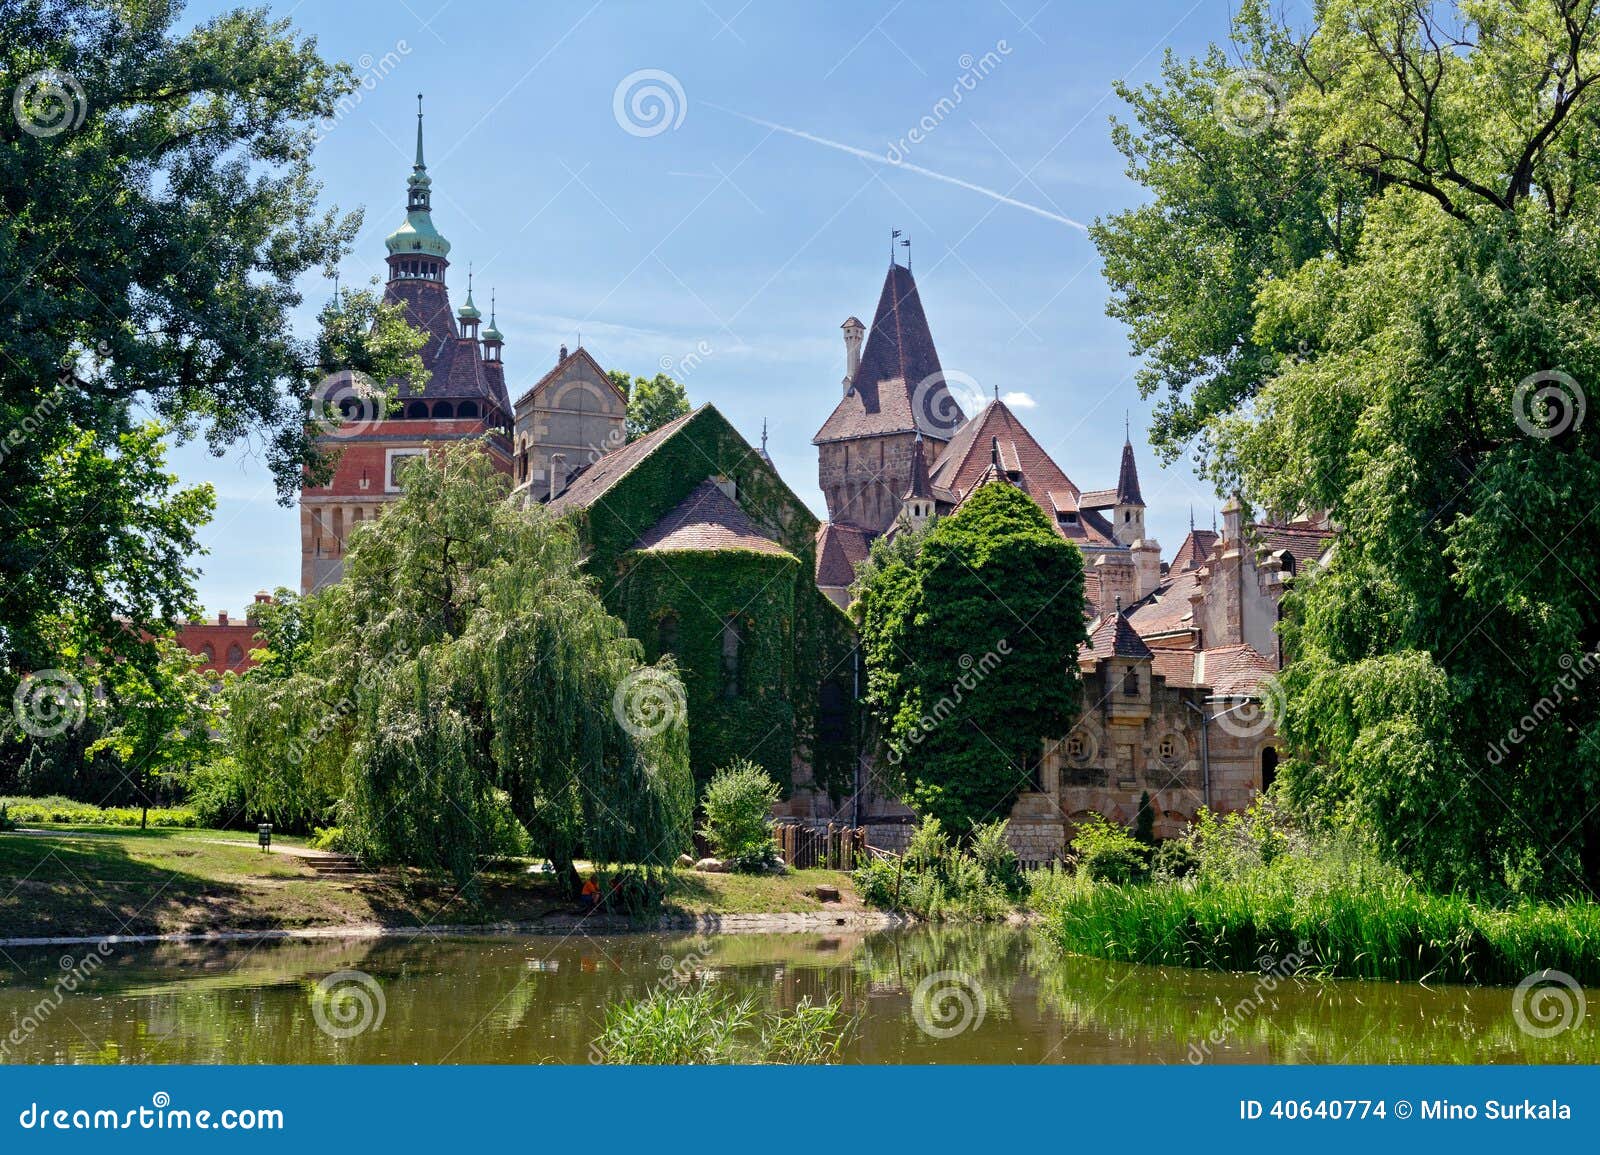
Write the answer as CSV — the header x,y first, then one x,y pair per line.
x,y
1008,996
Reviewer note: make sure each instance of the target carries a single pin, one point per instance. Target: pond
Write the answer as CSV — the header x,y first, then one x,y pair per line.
x,y
927,995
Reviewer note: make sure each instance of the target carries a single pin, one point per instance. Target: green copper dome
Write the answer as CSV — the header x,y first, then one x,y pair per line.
x,y
491,333
468,311
418,235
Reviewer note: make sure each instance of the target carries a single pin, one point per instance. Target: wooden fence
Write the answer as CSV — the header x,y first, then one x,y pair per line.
x,y
828,847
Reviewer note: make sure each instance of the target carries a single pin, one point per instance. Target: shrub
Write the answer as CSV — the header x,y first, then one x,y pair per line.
x,y
218,795
936,880
67,812
330,838
994,855
5,819
1107,852
1175,859
738,811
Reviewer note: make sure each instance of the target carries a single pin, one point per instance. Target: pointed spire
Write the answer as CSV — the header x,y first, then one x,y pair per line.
x,y
762,452
418,236
469,311
420,164
491,333
921,488
1128,478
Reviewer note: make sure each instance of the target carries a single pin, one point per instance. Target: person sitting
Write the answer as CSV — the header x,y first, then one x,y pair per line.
x,y
590,894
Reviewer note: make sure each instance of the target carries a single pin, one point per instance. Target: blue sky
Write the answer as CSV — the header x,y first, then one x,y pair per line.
x,y
728,242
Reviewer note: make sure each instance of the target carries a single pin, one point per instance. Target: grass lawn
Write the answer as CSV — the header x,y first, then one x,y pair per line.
x,y
91,880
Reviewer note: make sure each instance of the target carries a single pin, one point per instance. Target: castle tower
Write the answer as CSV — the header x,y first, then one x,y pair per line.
x,y
464,396
894,390
1128,512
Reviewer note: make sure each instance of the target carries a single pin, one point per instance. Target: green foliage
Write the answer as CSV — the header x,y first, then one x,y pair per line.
x,y
700,1026
1366,290
1144,825
6,821
152,254
219,794
65,811
465,668
964,678
941,881
738,804
1107,852
330,838
652,401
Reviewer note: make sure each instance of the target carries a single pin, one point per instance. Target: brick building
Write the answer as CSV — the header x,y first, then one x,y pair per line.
x,y
223,642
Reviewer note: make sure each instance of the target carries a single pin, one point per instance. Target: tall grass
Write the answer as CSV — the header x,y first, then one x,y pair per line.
x,y
700,1026
1262,895
943,880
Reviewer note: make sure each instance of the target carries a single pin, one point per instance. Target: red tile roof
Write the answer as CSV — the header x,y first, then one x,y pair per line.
x,y
840,549
964,462
453,362
1112,636
708,519
1176,666
1097,498
1233,671
1166,610
1195,550
1304,541
899,356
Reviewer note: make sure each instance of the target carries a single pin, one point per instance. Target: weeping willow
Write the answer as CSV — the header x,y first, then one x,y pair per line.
x,y
466,663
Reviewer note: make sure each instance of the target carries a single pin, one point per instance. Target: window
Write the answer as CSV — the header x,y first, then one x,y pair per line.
x,y
443,409
235,655
1130,683
1269,767
208,653
1077,747
667,634
730,659
416,411
1167,749
397,458
467,409
1033,772
833,714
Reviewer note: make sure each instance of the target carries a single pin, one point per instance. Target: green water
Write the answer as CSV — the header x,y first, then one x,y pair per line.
x,y
988,995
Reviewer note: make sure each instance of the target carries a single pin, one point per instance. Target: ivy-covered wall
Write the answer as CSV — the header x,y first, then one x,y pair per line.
x,y
801,645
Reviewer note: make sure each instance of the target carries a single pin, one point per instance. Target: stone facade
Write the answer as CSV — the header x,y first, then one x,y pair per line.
x,y
570,419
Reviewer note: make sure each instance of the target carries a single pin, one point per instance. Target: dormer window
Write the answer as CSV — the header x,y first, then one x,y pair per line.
x,y
1066,517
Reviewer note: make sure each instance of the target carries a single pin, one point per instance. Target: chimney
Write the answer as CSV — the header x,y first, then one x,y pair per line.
x,y
562,458
854,331
262,596
222,617
1146,568
1116,582
1233,519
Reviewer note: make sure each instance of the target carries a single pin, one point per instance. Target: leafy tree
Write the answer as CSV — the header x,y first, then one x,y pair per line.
x,y
738,812
158,212
652,401
465,654
971,643
160,715
1144,823
1421,374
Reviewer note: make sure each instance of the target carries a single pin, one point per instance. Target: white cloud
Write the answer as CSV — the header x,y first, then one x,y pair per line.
x,y
1019,400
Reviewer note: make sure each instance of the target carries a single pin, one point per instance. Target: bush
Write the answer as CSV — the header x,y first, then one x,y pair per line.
x,y
1107,852
1175,859
330,838
218,796
738,811
67,812
936,880
684,1027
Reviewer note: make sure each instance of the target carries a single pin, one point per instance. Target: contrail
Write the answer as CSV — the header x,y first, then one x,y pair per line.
x,y
908,166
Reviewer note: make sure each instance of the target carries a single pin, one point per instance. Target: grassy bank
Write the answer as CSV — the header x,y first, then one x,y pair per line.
x,y
1256,899
95,880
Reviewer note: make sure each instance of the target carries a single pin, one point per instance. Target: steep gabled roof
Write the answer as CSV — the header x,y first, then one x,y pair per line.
x,y
920,486
1111,636
1195,550
708,519
1167,609
580,354
1128,478
454,364
593,483
841,549
968,459
899,356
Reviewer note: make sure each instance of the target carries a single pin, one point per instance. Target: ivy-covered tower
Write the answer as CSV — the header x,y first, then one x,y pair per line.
x,y
464,395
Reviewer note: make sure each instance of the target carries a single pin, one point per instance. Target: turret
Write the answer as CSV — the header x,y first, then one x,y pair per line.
x,y
493,339
1128,512
468,314
854,333
916,505
416,248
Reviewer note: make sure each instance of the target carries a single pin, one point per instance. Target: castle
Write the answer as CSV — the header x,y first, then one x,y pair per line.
x,y
702,549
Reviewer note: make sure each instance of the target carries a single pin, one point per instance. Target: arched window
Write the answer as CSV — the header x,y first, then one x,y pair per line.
x,y
235,655
1269,767
417,411
443,409
730,659
208,653
467,409
667,634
